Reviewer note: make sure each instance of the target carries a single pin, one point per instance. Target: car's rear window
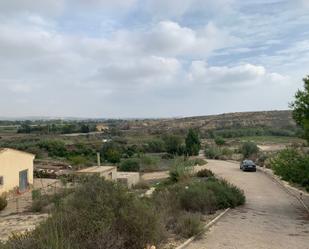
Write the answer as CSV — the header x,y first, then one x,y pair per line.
x,y
249,163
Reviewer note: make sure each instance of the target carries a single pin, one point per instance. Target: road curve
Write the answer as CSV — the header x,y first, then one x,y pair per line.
x,y
270,219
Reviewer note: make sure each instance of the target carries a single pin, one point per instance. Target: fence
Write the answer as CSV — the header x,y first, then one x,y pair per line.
x,y
19,203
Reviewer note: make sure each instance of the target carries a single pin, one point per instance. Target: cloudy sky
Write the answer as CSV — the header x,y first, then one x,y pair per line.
x,y
150,58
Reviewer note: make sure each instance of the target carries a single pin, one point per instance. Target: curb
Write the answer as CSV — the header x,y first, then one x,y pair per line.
x,y
287,188
206,227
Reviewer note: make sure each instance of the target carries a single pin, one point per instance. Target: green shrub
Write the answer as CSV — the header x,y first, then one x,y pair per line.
x,y
188,225
148,163
226,151
111,152
3,202
197,198
205,173
55,148
78,160
292,166
155,146
249,149
219,141
181,170
212,152
173,144
128,165
99,214
207,196
112,155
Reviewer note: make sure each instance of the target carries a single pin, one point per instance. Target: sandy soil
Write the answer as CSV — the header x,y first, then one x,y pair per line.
x,y
15,218
270,219
19,223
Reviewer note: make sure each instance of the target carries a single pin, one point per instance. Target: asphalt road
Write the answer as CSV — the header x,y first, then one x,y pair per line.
x,y
270,219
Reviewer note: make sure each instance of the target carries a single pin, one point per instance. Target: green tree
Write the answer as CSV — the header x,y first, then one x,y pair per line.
x,y
193,143
85,128
111,152
249,149
130,165
301,108
173,144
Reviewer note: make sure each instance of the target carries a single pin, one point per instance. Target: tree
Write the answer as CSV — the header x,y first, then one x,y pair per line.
x,y
111,152
301,108
173,144
25,127
130,165
249,149
193,143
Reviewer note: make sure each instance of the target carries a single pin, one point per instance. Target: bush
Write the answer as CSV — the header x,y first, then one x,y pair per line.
x,y
219,141
148,163
212,152
197,198
173,144
130,165
99,214
180,171
292,166
111,152
3,202
156,146
208,196
189,225
55,148
249,149
205,173
205,196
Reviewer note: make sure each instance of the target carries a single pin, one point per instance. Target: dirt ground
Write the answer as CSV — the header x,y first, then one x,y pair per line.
x,y
16,218
270,219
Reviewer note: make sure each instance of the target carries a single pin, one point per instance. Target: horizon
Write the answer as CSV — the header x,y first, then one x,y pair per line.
x,y
51,118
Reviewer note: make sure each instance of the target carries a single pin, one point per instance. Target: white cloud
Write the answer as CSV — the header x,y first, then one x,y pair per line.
x,y
169,38
244,75
138,72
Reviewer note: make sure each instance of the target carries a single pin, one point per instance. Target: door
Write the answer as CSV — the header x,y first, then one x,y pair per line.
x,y
23,180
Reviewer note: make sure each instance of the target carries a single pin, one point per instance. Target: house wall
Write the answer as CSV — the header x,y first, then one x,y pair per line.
x,y
128,178
110,174
11,163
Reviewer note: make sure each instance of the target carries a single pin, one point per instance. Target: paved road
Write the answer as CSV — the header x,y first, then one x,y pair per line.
x,y
270,219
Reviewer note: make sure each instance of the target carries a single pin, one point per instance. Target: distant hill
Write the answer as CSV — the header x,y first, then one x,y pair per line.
x,y
267,119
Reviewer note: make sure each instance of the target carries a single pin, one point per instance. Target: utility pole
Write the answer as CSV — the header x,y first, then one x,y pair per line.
x,y
98,158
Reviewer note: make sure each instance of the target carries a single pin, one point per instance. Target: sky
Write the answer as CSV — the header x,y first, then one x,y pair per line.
x,y
150,58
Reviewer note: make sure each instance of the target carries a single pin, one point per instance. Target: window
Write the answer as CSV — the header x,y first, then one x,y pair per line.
x,y
1,181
